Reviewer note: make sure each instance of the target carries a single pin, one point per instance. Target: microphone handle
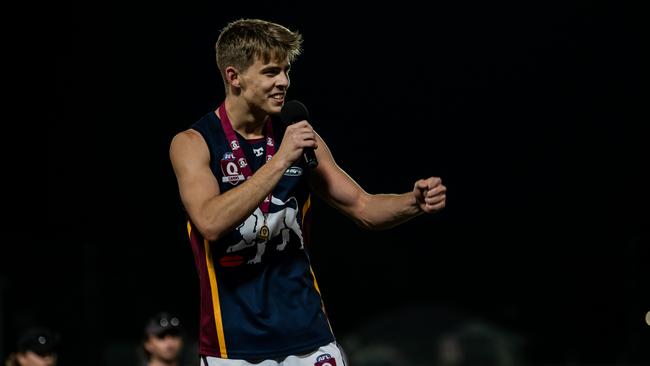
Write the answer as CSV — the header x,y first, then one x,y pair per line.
x,y
310,157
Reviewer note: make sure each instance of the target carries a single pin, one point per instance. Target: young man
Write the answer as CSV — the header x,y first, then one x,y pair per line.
x,y
246,189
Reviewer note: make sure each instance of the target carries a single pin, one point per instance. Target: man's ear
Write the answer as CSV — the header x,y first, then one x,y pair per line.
x,y
232,76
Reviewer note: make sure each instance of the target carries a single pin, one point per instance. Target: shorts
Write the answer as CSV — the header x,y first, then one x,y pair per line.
x,y
327,355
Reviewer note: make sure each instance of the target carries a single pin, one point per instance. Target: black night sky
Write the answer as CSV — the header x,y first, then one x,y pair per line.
x,y
532,114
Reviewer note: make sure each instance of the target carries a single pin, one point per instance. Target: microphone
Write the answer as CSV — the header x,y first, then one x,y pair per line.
x,y
293,111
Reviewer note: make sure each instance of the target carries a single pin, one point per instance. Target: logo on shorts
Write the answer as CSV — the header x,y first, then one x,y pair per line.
x,y
325,360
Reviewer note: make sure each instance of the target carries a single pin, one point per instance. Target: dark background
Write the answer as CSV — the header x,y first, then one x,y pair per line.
x,y
532,115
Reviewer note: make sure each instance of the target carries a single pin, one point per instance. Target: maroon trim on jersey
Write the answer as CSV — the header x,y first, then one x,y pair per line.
x,y
208,338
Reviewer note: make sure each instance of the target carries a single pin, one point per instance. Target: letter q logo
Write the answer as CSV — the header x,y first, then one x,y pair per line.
x,y
231,168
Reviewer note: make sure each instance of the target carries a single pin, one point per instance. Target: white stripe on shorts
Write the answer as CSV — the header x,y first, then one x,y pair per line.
x,y
328,355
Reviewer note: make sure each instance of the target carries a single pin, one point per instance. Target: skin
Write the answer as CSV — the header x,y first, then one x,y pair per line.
x,y
252,95
164,351
30,358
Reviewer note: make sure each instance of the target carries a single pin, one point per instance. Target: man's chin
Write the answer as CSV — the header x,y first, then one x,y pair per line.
x,y
274,110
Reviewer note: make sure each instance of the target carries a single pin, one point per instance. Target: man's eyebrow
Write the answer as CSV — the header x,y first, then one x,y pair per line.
x,y
275,68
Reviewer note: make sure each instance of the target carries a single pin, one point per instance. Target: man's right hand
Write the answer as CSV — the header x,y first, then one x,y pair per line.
x,y
297,137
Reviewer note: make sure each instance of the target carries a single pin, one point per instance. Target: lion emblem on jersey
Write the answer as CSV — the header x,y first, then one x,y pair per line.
x,y
280,224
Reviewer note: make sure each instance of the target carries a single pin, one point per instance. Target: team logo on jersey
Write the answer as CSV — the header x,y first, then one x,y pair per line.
x,y
325,360
242,162
259,152
294,171
269,141
234,144
281,222
230,170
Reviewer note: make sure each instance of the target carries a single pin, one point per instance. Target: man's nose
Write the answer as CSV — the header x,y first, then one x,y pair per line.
x,y
283,80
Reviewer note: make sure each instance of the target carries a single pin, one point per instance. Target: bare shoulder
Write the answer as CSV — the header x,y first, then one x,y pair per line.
x,y
188,144
188,136
186,140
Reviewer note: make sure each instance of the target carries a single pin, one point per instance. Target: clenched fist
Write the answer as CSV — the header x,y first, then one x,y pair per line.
x,y
430,194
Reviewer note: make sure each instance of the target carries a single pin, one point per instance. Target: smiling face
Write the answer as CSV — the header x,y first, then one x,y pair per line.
x,y
264,85
253,56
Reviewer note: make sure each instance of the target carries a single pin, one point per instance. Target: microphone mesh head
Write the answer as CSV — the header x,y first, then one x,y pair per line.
x,y
293,111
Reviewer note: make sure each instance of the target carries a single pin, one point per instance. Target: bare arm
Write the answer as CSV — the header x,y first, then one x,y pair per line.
x,y
215,213
373,211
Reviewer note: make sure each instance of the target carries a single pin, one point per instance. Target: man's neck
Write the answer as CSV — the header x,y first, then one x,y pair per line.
x,y
243,120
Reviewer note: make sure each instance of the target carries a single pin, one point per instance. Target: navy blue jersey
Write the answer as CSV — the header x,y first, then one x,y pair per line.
x,y
259,298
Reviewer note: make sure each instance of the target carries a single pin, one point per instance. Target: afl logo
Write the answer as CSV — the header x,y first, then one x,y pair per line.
x,y
294,171
325,360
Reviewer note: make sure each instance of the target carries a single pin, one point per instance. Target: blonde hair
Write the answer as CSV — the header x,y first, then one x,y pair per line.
x,y
244,40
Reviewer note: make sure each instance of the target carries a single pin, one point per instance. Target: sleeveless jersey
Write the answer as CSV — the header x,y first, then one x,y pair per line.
x,y
259,298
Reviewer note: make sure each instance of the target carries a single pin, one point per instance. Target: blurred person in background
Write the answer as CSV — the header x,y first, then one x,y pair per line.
x,y
476,343
37,346
163,340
